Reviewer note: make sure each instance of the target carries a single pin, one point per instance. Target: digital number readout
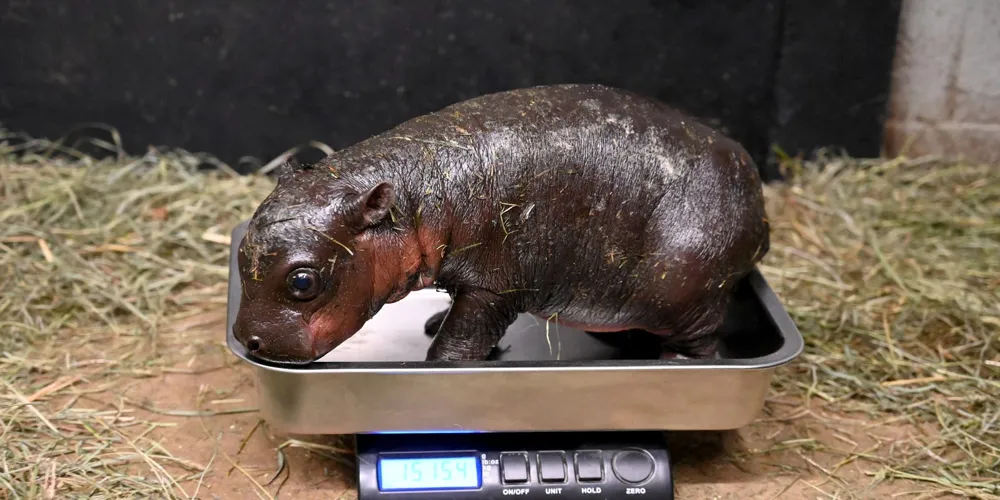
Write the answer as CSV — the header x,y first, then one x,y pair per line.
x,y
428,473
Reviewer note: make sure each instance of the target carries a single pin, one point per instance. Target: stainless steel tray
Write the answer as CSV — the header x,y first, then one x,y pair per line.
x,y
549,378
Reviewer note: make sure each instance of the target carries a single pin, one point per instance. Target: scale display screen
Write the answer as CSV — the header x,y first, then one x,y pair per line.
x,y
429,473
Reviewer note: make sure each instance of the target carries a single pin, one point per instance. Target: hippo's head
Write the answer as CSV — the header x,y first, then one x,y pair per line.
x,y
307,266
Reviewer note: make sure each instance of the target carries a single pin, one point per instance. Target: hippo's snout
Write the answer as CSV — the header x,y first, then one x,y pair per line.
x,y
253,344
274,340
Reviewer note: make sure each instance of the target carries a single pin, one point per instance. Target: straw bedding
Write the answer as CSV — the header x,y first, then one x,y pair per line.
x,y
890,268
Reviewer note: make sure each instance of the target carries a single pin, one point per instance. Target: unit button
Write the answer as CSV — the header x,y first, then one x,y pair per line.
x,y
551,467
514,467
589,466
632,466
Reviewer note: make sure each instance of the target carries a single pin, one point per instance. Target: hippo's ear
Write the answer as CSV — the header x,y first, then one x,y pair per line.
x,y
373,205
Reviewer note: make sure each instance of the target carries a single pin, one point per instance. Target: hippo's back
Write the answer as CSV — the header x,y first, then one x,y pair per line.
x,y
583,181
597,144
603,131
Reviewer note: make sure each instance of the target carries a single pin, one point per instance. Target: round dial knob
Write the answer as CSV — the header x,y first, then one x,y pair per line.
x,y
632,466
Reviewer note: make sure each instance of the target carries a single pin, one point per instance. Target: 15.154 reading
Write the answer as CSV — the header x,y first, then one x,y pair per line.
x,y
428,473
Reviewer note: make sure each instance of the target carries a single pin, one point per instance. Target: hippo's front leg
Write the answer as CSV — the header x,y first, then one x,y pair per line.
x,y
472,327
433,324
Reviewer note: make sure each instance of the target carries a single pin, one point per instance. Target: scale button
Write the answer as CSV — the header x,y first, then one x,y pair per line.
x,y
632,466
589,466
514,467
551,466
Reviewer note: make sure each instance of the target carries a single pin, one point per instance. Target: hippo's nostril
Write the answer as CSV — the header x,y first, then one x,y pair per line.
x,y
253,344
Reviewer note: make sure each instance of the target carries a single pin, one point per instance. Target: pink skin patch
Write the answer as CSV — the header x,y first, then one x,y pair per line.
x,y
326,332
397,296
424,282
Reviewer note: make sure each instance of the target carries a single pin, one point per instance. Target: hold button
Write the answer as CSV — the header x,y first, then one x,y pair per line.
x,y
589,466
632,466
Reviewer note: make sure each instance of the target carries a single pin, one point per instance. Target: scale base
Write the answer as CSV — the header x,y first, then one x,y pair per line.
x,y
466,466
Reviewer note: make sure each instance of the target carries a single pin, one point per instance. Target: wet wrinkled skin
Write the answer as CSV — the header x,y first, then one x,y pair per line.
x,y
585,205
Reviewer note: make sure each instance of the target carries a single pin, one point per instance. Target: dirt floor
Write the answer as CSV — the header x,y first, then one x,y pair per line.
x,y
796,449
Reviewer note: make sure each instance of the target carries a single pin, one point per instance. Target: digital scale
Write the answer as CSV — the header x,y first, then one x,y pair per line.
x,y
559,413
550,465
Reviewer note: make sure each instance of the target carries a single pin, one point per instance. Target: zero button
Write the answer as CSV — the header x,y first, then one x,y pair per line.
x,y
632,466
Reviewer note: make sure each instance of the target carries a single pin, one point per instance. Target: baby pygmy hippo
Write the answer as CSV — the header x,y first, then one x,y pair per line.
x,y
585,205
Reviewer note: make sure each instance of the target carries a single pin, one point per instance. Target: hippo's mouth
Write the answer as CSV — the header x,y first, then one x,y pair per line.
x,y
255,351
283,360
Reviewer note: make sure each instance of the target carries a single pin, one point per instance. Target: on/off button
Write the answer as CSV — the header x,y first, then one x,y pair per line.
x,y
514,467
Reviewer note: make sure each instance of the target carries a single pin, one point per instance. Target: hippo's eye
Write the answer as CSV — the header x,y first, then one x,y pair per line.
x,y
303,283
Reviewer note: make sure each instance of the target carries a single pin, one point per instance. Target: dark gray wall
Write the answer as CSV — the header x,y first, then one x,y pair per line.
x,y
256,77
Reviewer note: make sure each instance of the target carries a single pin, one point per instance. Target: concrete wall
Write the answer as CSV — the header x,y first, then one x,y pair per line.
x,y
945,96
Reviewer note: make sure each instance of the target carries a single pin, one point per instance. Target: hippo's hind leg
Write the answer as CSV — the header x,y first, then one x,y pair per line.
x,y
472,327
689,327
697,338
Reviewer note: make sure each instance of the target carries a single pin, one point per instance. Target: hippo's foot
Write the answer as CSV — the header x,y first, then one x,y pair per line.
x,y
700,347
698,338
496,352
472,327
433,323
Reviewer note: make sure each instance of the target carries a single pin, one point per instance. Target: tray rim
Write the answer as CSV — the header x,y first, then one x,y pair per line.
x,y
792,345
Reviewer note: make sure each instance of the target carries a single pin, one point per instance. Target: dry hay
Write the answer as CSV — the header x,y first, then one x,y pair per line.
x,y
889,268
97,259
